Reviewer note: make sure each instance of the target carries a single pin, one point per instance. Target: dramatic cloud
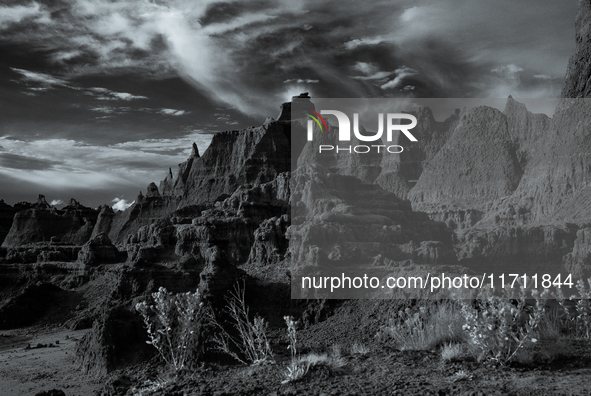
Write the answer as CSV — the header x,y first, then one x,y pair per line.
x,y
239,53
56,202
99,97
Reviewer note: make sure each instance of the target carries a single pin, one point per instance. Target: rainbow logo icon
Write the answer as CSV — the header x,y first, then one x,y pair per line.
x,y
316,117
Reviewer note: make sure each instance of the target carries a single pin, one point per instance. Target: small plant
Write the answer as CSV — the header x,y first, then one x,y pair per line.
x,y
174,324
360,349
425,327
461,376
252,342
451,352
297,367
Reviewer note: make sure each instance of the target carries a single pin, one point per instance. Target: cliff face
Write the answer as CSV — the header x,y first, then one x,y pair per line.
x,y
578,75
234,158
478,163
6,215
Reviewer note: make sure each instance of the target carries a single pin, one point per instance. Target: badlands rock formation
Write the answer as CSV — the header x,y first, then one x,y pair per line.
x,y
578,75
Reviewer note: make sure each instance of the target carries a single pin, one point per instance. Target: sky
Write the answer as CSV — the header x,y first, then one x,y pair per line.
x,y
98,98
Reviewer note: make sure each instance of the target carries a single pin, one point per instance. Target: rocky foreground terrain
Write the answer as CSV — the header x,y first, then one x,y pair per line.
x,y
232,213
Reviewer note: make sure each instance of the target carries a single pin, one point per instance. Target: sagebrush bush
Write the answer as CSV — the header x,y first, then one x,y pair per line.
x,y
500,329
174,323
251,341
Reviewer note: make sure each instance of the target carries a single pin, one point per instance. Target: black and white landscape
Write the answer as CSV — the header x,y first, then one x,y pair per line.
x,y
101,99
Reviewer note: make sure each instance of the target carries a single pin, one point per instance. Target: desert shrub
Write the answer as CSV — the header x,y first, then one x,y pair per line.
x,y
576,322
251,340
431,324
501,329
174,323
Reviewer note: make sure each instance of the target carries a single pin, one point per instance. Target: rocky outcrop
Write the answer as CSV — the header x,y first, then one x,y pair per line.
x,y
100,250
234,158
270,245
578,75
117,338
176,185
251,156
104,220
40,222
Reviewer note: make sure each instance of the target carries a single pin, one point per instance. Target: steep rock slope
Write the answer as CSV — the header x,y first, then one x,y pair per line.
x,y
6,216
478,163
399,173
578,75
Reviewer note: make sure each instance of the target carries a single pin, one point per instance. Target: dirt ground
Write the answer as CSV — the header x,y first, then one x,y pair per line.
x,y
381,369
26,371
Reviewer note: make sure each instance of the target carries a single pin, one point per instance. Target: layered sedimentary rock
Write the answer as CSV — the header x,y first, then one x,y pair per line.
x,y
146,209
100,250
343,225
40,222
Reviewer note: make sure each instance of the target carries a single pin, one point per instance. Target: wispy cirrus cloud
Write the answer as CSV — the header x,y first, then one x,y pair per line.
x,y
301,80
107,94
37,81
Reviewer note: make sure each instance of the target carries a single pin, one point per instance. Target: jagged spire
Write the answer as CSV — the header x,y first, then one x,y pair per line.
x,y
170,172
195,151
42,203
152,191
